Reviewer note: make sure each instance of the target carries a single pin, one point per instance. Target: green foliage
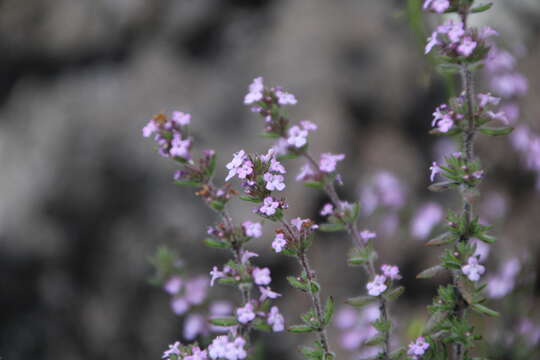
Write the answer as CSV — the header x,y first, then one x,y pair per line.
x,y
362,256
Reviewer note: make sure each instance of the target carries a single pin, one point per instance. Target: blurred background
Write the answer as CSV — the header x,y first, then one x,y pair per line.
x,y
85,201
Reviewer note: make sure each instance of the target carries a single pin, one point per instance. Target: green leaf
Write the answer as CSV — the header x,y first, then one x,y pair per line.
x,y
482,8
361,301
224,321
486,238
445,68
331,227
300,329
328,310
297,283
187,183
496,131
466,289
271,135
314,184
395,293
250,198
311,353
213,243
435,319
376,340
217,205
442,186
431,272
261,325
442,239
484,310
315,287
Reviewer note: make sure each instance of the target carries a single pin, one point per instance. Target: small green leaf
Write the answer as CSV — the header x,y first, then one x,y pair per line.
x,y
395,293
314,184
431,272
300,329
315,287
297,283
482,8
328,310
271,135
442,239
250,198
485,310
331,227
213,243
361,301
224,321
442,186
217,205
496,131
261,325
486,238
187,183
445,68
435,319
376,340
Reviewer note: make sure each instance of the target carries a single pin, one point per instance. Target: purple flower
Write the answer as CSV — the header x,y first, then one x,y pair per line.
x,y
285,98
197,354
486,99
274,182
473,269
487,32
194,325
435,169
306,172
297,137
501,116
345,318
440,6
510,84
196,290
255,91
173,285
218,347
328,162
179,305
267,293
252,229
432,42
215,274
149,128
308,125
377,286
276,320
245,313
174,349
418,348
261,276
467,46
427,216
236,162
245,169
454,30
328,209
445,124
276,166
180,118
179,147
269,206
391,271
367,235
279,242
246,255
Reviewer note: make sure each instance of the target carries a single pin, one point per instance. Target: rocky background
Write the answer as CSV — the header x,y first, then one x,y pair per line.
x,y
84,200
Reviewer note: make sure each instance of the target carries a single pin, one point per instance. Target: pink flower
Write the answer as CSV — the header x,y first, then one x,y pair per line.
x,y
308,125
306,172
279,242
275,319
267,293
274,182
285,98
236,162
180,118
197,354
174,349
194,325
487,32
246,255
328,209
276,166
255,91
173,285
501,116
149,128
196,290
486,99
179,147
473,269
427,216
432,42
377,286
179,305
297,137
218,347
328,162
244,170
455,30
245,313
440,6
391,271
269,206
367,235
215,274
261,276
252,229
418,348
435,169
445,124
467,46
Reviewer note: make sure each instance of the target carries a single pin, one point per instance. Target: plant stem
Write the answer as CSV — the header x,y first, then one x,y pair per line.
x,y
352,230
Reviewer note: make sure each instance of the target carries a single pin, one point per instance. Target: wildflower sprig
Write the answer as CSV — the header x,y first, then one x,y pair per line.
x,y
172,137
460,49
292,142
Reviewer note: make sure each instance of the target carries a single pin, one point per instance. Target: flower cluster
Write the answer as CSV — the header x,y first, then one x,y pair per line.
x,y
380,283
457,170
186,293
458,43
418,348
171,135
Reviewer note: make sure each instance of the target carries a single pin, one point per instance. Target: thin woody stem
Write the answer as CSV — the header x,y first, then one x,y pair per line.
x,y
352,230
